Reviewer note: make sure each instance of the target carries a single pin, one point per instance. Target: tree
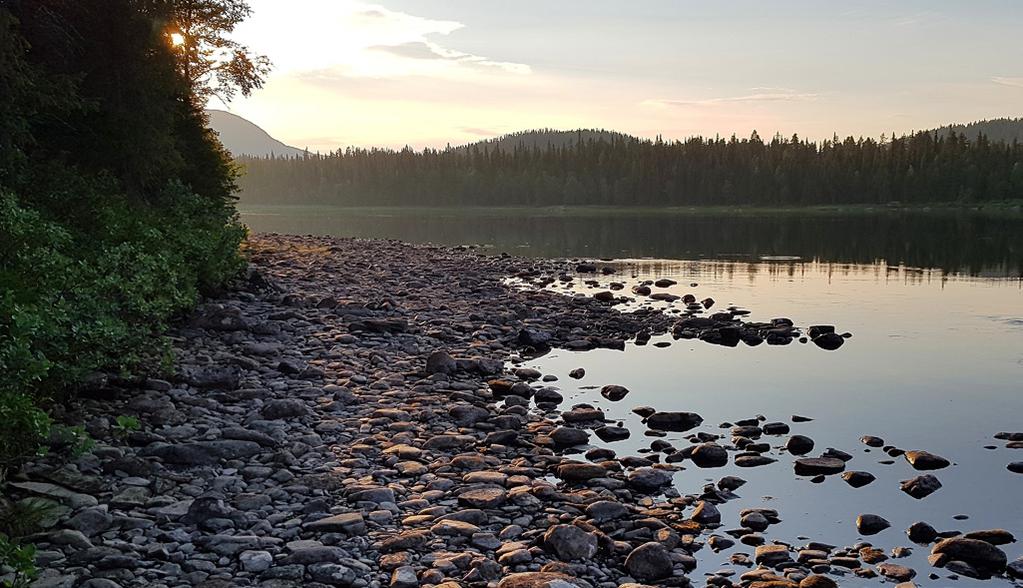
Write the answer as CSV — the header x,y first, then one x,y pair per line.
x,y
214,64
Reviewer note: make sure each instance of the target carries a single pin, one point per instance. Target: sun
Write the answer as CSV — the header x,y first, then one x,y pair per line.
x,y
177,39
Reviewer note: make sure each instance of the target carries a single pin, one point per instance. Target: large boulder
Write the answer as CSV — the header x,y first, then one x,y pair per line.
x,y
674,421
649,561
979,554
569,542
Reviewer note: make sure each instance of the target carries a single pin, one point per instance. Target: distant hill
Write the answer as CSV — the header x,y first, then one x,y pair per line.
x,y
543,138
1000,129
242,137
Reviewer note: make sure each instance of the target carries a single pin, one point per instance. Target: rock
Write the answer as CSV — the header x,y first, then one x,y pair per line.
x,y
812,466
648,479
979,554
350,523
487,497
858,479
56,493
921,532
923,460
441,362
331,574
255,561
541,580
535,338
614,393
1015,569
829,341
817,582
674,421
404,577
577,373
706,513
569,542
580,472
896,572
610,434
992,536
921,486
606,510
871,524
201,452
569,436
649,561
1015,467
771,555
75,539
91,521
872,441
799,445
284,408
709,455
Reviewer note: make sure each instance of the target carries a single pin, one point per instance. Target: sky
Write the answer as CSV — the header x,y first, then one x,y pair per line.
x,y
438,72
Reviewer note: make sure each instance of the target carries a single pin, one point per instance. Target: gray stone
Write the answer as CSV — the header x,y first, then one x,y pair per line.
x,y
649,561
569,542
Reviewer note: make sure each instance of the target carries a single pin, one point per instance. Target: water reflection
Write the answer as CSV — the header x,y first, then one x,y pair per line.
x,y
935,363
977,244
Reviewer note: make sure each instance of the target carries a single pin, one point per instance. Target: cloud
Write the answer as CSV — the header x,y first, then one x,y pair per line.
x,y
1012,82
756,95
480,132
430,50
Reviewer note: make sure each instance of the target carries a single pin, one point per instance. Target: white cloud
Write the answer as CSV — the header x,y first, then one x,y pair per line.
x,y
360,40
1012,82
756,95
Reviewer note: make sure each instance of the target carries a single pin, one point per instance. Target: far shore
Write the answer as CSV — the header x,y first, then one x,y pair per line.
x,y
1013,207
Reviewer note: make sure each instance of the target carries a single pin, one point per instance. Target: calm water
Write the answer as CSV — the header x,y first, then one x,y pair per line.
x,y
934,302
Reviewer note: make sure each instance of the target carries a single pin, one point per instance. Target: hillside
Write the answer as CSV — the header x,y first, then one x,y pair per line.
x,y
544,138
1004,130
244,138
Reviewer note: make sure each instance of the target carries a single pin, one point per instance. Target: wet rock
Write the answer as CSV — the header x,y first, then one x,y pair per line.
x,y
1015,467
896,572
569,436
858,479
771,555
1015,569
872,441
923,460
569,542
706,513
674,421
921,486
648,479
992,536
812,466
580,472
649,561
610,434
614,393
829,341
799,445
982,555
817,582
577,373
871,524
921,532
709,455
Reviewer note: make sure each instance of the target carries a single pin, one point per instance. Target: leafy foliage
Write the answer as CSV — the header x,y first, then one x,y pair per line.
x,y
20,559
116,200
609,169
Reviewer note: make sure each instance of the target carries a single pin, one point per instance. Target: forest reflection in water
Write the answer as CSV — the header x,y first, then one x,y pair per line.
x,y
988,244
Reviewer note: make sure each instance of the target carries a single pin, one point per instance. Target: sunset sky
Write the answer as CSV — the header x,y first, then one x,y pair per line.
x,y
433,72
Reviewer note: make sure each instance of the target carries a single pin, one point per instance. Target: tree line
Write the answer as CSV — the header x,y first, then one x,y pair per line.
x,y
610,169
117,203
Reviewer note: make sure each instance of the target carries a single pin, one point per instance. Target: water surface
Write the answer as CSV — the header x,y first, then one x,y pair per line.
x,y
934,301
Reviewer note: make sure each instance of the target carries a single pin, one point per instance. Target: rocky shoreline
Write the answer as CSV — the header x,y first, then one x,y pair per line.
x,y
345,418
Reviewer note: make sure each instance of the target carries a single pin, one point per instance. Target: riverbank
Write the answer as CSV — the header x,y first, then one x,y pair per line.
x,y
345,418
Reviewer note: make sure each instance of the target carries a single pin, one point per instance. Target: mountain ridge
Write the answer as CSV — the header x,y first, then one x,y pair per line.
x,y
243,137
